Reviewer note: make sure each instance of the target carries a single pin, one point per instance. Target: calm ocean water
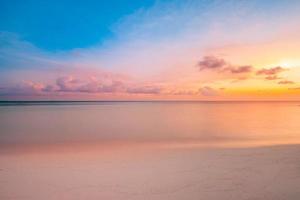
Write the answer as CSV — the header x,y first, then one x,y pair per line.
x,y
163,122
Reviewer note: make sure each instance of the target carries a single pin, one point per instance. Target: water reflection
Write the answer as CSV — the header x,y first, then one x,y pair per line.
x,y
168,122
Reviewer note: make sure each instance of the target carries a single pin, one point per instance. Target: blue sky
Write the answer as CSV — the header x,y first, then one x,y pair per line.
x,y
62,25
65,24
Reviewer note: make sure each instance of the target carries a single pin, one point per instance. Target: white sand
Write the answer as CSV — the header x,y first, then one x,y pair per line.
x,y
165,174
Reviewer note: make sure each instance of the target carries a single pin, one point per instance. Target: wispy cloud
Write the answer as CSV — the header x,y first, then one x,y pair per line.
x,y
285,82
272,77
144,90
270,71
208,91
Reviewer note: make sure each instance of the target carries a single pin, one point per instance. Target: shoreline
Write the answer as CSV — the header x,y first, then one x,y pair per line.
x,y
266,173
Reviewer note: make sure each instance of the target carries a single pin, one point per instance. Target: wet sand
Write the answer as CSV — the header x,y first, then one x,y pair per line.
x,y
266,173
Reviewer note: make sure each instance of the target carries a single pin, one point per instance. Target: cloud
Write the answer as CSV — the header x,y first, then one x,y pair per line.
x,y
71,84
286,82
144,90
26,88
183,92
240,69
98,87
270,71
49,88
211,63
208,91
17,53
220,65
31,86
67,83
90,85
272,77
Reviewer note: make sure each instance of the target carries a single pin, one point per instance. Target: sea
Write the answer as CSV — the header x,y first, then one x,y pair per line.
x,y
169,123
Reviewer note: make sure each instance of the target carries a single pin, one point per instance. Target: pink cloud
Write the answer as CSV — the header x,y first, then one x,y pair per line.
x,y
144,90
27,88
68,83
71,84
208,91
270,71
91,85
220,65
211,62
240,69
183,92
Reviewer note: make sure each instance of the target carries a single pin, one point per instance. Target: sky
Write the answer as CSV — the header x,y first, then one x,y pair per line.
x,y
150,50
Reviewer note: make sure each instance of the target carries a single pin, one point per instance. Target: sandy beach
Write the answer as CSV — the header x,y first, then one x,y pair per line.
x,y
261,173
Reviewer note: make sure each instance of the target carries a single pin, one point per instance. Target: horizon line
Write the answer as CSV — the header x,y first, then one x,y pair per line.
x,y
99,101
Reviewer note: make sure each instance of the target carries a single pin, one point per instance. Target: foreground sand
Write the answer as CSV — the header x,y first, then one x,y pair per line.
x,y
144,173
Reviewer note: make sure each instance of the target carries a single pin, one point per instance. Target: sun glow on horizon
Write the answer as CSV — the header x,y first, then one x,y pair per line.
x,y
289,63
